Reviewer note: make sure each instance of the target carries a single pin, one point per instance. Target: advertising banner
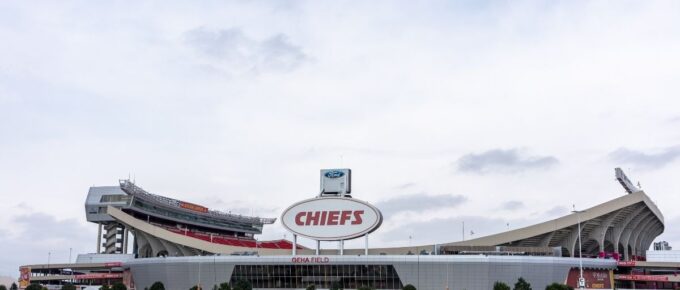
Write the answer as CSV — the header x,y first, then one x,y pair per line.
x,y
595,279
24,277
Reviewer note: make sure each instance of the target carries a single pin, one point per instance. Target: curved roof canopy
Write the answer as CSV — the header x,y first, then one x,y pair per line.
x,y
626,225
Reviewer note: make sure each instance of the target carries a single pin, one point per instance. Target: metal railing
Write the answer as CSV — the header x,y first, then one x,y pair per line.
x,y
136,191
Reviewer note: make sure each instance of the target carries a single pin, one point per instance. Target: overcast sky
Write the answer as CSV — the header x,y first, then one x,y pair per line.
x,y
492,113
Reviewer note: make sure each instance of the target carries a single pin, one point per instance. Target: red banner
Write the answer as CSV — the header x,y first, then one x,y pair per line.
x,y
194,207
625,263
98,276
595,279
661,278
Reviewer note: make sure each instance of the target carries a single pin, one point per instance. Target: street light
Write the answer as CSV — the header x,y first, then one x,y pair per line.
x,y
581,280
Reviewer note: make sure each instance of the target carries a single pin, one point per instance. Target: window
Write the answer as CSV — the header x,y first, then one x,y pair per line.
x,y
300,276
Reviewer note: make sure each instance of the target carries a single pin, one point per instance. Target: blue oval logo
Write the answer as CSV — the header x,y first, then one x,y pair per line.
x,y
334,174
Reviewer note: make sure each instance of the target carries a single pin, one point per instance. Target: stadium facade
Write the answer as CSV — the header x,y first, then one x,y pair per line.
x,y
184,244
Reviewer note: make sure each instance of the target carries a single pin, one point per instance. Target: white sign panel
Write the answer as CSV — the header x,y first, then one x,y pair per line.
x,y
331,218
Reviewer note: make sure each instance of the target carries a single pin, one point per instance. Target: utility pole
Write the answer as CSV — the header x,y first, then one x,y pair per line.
x,y
581,280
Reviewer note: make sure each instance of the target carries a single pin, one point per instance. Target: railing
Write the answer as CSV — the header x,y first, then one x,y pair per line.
x,y
136,191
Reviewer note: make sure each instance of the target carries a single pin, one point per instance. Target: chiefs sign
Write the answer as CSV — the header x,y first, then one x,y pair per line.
x,y
331,218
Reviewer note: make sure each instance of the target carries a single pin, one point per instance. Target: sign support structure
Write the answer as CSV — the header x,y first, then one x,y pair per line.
x,y
333,215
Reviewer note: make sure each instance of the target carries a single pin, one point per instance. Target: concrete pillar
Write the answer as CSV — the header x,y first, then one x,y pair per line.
x,y
99,239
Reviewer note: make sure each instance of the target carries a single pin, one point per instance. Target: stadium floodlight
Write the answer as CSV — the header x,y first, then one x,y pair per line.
x,y
581,280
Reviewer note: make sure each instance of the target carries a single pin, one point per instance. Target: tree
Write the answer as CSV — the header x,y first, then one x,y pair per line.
x,y
3,287
223,286
336,286
500,286
68,286
118,286
311,287
34,286
409,287
14,287
243,285
558,286
365,288
522,284
158,285
196,287
105,287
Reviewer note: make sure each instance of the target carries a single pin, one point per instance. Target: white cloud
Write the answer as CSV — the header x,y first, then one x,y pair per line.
x,y
504,161
263,95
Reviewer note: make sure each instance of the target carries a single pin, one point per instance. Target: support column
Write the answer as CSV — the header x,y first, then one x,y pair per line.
x,y
366,246
125,240
342,247
318,247
99,239
294,245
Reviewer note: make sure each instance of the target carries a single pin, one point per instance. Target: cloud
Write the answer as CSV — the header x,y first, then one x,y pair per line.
x,y
231,50
557,211
419,202
34,235
503,161
447,230
512,205
646,160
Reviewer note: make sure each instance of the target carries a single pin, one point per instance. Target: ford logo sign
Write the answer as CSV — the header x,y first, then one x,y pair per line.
x,y
334,174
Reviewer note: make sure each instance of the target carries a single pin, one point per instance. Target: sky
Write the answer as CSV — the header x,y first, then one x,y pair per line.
x,y
499,114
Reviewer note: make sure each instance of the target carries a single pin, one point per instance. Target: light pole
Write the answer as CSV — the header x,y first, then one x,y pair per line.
x,y
581,280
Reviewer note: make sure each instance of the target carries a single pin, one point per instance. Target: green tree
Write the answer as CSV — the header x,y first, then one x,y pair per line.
x,y
242,285
158,285
336,286
522,284
409,287
222,286
14,287
118,286
3,287
311,287
68,286
500,286
558,286
34,286
105,287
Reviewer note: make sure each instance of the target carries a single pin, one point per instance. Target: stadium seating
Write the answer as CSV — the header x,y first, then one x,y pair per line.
x,y
229,240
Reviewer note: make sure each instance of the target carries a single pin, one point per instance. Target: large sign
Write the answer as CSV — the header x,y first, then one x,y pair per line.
x,y
24,277
331,218
194,207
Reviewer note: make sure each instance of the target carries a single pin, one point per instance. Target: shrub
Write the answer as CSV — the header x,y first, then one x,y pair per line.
x,y
500,286
408,287
14,287
105,287
311,287
522,284
158,285
365,288
242,285
196,287
558,286
34,286
336,286
68,286
3,287
118,286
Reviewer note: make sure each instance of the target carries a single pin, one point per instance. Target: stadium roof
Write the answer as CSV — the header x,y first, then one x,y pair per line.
x,y
627,225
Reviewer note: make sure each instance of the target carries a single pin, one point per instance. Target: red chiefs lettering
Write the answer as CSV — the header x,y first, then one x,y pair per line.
x,y
329,218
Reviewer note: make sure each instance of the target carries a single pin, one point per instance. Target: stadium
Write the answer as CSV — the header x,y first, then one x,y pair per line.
x,y
183,244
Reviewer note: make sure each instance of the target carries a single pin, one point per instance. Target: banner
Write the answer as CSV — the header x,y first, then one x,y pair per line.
x,y
24,277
